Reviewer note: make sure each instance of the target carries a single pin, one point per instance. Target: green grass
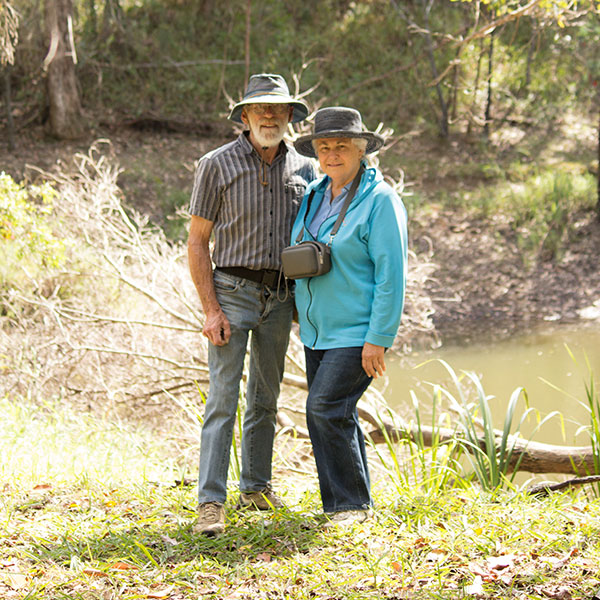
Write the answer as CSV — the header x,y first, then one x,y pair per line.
x,y
89,510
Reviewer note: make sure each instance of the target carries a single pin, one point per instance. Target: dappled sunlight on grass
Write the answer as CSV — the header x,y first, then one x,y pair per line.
x,y
91,513
58,443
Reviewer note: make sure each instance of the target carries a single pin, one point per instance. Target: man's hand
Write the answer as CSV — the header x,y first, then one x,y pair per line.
x,y
217,329
216,326
372,360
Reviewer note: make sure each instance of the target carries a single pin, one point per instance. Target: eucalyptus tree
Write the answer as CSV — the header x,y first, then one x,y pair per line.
x,y
9,35
66,119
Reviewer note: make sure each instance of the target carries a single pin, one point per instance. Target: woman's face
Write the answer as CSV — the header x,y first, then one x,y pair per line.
x,y
339,158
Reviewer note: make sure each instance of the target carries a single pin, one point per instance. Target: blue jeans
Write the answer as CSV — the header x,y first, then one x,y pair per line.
x,y
250,307
336,381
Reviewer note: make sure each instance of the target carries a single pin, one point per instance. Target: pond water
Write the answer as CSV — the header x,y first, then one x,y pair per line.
x,y
553,364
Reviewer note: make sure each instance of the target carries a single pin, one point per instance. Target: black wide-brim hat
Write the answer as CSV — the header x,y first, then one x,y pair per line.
x,y
338,122
268,88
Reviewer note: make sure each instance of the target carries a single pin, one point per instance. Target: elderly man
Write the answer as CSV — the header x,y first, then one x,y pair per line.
x,y
247,194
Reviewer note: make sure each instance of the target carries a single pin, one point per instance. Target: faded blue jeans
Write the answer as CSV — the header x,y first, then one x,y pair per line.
x,y
336,381
250,307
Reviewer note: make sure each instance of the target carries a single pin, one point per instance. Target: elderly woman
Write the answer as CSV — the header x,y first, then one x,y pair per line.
x,y
348,316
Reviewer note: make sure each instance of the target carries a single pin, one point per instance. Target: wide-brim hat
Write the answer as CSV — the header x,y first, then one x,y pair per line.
x,y
268,88
338,122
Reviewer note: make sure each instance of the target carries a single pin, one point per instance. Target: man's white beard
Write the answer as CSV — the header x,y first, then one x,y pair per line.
x,y
270,138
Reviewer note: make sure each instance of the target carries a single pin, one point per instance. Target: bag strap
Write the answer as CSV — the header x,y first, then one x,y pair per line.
x,y
301,233
342,213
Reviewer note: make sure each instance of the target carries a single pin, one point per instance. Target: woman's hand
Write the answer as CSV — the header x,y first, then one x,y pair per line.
x,y
372,360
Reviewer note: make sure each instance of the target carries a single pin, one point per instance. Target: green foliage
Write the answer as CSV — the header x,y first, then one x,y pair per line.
x,y
593,404
492,456
541,205
543,209
28,238
431,467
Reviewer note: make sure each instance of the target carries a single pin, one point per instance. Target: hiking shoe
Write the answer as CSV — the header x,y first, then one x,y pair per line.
x,y
211,519
265,499
346,518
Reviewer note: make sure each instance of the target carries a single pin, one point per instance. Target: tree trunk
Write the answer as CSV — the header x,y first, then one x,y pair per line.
x,y
247,42
488,104
7,100
443,120
66,118
530,53
475,88
598,171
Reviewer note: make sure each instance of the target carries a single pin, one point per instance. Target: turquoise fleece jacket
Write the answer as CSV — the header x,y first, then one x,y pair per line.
x,y
361,298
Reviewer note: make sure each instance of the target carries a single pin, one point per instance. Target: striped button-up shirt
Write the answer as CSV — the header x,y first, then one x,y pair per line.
x,y
252,221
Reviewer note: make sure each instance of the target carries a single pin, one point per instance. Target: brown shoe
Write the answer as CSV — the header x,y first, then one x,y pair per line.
x,y
211,519
265,499
346,519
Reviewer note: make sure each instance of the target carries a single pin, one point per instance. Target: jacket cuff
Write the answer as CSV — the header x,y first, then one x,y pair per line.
x,y
380,340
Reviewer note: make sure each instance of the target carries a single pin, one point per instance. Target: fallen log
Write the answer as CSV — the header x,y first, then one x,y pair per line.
x,y
544,488
528,456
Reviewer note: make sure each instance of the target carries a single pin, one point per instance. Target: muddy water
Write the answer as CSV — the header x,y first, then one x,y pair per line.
x,y
553,364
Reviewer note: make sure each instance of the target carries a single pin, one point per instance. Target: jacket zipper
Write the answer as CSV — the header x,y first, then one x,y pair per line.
x,y
308,311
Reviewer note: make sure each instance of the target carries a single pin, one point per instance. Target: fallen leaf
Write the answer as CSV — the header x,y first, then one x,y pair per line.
x,y
264,556
477,570
435,555
14,578
94,572
507,578
42,486
558,592
123,566
476,588
396,566
501,562
168,540
161,593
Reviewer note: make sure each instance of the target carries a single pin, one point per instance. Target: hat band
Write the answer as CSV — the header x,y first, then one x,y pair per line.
x,y
266,93
330,132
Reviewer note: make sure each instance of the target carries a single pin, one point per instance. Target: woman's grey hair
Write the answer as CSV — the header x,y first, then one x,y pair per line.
x,y
360,143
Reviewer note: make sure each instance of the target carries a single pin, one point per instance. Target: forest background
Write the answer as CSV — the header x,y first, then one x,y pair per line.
x,y
492,115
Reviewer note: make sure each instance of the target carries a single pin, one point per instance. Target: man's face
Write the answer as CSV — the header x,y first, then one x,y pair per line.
x,y
267,122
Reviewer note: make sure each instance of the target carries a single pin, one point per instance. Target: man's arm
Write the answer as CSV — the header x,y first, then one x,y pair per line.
x,y
216,325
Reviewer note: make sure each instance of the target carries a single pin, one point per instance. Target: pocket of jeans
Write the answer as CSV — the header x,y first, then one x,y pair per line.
x,y
225,283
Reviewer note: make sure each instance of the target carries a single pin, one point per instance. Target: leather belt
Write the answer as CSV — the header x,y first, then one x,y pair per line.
x,y
268,277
